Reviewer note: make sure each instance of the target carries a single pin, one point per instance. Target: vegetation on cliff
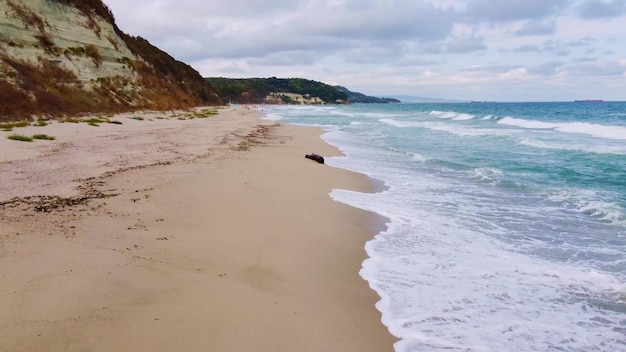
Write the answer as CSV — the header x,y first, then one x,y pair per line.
x,y
288,91
356,97
104,70
256,90
168,80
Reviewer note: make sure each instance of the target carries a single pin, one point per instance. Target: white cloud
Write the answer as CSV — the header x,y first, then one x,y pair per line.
x,y
598,9
467,49
535,27
513,10
462,45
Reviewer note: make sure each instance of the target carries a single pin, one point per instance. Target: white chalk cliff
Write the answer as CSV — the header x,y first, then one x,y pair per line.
x,y
50,49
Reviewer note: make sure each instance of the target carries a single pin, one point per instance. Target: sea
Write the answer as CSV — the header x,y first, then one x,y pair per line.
x,y
506,224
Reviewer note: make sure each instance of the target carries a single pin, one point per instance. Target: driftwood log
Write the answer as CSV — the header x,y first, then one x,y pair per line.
x,y
315,157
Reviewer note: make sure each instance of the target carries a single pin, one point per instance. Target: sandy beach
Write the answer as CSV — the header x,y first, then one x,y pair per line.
x,y
166,233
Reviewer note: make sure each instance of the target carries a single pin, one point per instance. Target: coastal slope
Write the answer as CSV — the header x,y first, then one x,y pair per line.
x,y
68,57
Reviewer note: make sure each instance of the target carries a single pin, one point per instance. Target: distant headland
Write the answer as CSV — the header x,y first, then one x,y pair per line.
x,y
282,91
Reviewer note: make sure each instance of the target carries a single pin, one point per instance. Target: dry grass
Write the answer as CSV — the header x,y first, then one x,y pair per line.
x,y
113,42
46,42
93,52
11,125
27,15
15,102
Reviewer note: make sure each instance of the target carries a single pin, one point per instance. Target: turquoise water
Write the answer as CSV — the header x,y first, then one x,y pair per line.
x,y
507,221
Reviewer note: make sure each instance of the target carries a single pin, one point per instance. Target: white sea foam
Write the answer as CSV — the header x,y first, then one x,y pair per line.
x,y
604,211
400,124
378,115
341,113
446,287
598,149
455,129
595,130
419,158
463,117
590,203
488,174
452,115
464,131
527,123
600,131
444,114
480,257
272,116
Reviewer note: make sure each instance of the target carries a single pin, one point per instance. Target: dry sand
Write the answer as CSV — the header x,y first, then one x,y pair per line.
x,y
167,235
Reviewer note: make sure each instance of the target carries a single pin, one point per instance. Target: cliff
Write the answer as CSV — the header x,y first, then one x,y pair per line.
x,y
68,57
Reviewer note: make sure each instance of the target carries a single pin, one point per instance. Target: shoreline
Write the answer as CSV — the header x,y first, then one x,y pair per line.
x,y
223,240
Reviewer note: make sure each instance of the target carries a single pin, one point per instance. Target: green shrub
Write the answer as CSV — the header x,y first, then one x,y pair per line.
x,y
44,137
19,137
204,113
11,125
94,121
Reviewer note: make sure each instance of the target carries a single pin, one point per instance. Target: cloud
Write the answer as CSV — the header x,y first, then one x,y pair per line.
x,y
534,27
461,45
493,69
528,48
546,69
372,54
553,47
512,10
598,9
285,58
233,29
397,20
586,59
454,48
598,68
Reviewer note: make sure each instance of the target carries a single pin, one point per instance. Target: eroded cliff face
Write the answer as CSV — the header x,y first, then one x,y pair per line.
x,y
65,57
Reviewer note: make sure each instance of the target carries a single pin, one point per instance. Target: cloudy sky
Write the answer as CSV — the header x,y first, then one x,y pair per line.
x,y
502,50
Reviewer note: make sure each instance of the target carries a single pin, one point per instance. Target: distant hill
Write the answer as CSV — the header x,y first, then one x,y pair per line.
x,y
414,99
355,97
288,91
277,91
68,57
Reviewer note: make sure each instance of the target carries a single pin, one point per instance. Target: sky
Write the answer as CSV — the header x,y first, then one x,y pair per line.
x,y
494,50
